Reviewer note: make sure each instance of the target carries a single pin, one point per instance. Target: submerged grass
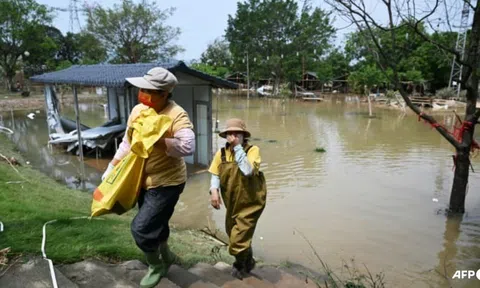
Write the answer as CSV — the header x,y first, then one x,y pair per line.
x,y
350,277
28,199
320,150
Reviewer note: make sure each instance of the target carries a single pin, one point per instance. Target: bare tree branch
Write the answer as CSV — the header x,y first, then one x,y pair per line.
x,y
447,16
469,4
415,25
363,24
441,46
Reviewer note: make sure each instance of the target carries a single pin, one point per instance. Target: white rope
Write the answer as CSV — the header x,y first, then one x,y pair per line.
x,y
6,130
50,263
44,240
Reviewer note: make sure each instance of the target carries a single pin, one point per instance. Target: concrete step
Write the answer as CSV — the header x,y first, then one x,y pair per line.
x,y
282,279
185,279
135,270
252,280
33,274
217,277
94,274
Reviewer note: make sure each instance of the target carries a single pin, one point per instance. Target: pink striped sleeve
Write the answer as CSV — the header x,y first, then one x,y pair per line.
x,y
123,148
183,143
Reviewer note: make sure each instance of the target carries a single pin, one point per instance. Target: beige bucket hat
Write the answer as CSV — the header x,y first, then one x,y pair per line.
x,y
236,125
157,78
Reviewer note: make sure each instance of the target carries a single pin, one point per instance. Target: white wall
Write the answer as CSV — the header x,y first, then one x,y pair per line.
x,y
203,119
183,96
112,103
122,105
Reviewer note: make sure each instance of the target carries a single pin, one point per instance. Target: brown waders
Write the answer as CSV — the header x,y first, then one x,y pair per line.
x,y
244,198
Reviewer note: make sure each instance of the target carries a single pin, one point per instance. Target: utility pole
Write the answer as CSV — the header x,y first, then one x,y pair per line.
x,y
248,79
303,71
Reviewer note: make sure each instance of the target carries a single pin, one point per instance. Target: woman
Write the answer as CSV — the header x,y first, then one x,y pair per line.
x,y
235,174
165,171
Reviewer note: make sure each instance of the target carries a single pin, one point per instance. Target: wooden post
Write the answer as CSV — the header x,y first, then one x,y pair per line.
x,y
248,78
79,133
303,72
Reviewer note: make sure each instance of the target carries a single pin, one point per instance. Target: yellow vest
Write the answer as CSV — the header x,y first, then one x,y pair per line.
x,y
162,170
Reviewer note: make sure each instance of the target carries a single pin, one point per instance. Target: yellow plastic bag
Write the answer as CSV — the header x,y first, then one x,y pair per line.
x,y
118,193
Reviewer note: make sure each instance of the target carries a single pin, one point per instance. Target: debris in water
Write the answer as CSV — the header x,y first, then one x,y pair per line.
x,y
435,200
320,150
38,111
28,162
272,141
31,116
261,238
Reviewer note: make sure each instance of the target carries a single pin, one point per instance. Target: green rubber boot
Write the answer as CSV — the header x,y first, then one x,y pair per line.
x,y
168,257
155,271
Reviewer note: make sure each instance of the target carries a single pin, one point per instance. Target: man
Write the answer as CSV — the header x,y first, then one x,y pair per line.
x,y
165,171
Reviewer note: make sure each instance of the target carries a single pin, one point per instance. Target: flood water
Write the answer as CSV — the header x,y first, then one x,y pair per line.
x,y
376,194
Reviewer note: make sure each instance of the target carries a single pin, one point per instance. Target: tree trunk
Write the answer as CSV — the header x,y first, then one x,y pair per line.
x,y
370,114
460,182
10,84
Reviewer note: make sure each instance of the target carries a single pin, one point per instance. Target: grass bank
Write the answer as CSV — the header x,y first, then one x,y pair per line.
x,y
29,198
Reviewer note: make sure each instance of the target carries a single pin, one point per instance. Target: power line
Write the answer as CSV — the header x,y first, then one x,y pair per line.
x,y
73,9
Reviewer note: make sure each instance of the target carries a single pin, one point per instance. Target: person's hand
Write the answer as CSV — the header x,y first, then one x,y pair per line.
x,y
215,199
235,139
109,169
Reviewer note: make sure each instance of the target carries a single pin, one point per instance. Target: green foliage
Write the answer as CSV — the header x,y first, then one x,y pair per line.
x,y
414,76
335,65
22,28
212,70
284,90
417,60
279,38
82,48
217,54
366,77
63,65
391,94
134,32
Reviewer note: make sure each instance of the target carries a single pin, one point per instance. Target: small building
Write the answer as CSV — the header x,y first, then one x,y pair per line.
x,y
193,93
310,81
237,77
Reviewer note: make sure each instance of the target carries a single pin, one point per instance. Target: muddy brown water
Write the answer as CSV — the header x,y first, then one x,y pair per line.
x,y
376,195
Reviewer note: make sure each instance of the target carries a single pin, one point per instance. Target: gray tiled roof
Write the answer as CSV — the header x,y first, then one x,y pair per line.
x,y
113,75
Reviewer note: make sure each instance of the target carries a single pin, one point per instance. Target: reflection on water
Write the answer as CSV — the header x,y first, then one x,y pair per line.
x,y
31,138
372,196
